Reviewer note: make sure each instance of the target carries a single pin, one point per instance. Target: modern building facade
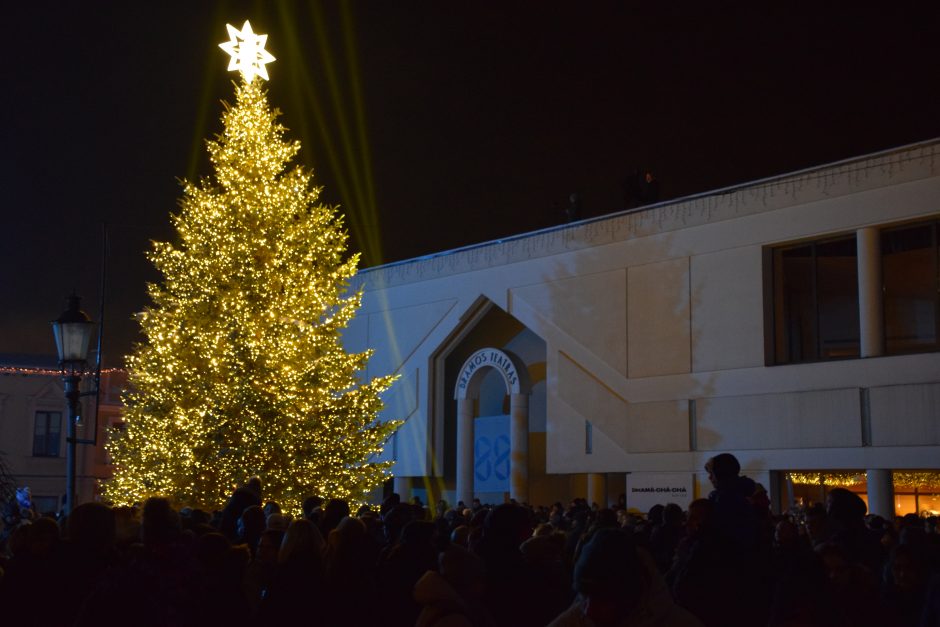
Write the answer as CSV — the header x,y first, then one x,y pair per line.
x,y
792,321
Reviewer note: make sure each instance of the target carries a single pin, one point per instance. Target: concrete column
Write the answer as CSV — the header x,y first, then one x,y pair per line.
x,y
870,296
597,489
519,443
465,450
881,493
402,487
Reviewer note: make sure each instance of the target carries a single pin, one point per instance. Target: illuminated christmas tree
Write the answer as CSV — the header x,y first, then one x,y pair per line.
x,y
242,371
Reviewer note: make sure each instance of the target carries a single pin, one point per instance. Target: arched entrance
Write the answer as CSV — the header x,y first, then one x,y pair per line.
x,y
515,377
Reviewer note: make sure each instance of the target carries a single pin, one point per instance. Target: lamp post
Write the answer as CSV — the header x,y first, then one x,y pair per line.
x,y
72,332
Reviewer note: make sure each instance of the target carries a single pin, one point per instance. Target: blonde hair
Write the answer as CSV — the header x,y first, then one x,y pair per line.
x,y
301,538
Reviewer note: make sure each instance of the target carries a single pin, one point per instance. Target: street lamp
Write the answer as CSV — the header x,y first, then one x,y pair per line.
x,y
72,333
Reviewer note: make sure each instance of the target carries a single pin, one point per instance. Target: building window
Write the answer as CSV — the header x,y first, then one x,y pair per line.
x,y
815,301
588,438
909,262
46,432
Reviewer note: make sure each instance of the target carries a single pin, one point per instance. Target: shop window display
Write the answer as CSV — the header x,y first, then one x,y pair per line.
x,y
915,492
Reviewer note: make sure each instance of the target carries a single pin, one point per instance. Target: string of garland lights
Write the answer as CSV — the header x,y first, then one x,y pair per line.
x,y
42,372
243,372
907,479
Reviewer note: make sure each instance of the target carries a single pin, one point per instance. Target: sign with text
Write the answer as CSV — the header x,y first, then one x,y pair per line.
x,y
646,489
488,357
491,452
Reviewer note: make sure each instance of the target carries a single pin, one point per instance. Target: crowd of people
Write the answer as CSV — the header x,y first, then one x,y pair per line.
x,y
726,562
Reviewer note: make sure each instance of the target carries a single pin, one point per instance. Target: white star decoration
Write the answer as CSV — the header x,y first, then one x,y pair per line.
x,y
247,51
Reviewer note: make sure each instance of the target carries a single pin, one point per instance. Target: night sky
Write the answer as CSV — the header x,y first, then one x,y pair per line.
x,y
433,124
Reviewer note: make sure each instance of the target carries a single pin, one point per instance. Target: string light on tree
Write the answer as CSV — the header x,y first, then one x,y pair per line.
x,y
242,371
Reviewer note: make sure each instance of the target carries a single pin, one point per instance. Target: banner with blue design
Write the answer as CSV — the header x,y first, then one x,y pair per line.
x,y
491,452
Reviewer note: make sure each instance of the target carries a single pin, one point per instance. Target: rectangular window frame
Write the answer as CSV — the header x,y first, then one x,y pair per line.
x,y
47,443
772,353
935,242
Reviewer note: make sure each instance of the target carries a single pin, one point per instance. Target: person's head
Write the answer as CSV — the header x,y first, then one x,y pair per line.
x,y
311,503
876,522
889,538
914,536
200,517
335,511
605,518
610,577
347,537
42,536
932,524
545,550
254,485
92,527
127,525
672,515
250,524
700,514
506,527
655,515
419,533
722,468
817,524
395,520
18,542
786,534
460,536
301,541
268,546
389,502
464,571
846,508
160,524
277,522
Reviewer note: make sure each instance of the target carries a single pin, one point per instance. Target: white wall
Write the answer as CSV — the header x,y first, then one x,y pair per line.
x,y
653,323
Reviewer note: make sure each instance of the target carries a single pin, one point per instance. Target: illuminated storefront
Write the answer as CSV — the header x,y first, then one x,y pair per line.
x,y
915,492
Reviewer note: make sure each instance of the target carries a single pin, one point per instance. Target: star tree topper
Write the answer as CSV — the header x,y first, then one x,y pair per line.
x,y
247,51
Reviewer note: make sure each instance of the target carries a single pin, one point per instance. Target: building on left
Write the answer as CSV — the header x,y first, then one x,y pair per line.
x,y
33,415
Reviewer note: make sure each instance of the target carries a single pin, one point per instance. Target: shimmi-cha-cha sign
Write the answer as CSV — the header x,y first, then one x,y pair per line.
x,y
644,490
488,357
